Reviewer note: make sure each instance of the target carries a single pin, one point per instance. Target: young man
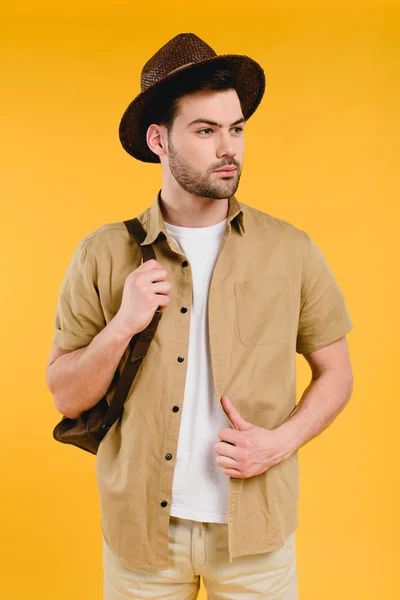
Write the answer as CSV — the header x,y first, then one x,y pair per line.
x,y
200,474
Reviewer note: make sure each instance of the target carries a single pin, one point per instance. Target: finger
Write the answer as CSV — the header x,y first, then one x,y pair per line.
x,y
233,473
226,462
233,414
153,275
229,435
225,449
161,287
150,264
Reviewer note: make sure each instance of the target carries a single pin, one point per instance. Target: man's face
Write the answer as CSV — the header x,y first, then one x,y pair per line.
x,y
216,139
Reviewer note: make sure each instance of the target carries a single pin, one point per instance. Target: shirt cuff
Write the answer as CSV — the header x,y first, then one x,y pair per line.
x,y
331,333
69,341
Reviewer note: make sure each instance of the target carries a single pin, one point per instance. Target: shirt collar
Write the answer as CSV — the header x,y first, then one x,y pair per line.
x,y
155,223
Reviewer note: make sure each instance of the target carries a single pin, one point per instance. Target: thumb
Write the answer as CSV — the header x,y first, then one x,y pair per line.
x,y
237,421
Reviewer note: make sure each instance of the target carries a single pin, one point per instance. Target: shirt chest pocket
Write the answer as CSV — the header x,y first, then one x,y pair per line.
x,y
263,311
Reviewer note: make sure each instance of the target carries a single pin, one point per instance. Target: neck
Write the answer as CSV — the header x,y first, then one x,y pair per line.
x,y
187,210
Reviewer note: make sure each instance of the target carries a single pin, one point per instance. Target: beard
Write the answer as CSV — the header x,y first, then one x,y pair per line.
x,y
201,184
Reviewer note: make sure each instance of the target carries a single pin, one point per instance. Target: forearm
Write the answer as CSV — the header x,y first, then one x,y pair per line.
x,y
322,400
79,379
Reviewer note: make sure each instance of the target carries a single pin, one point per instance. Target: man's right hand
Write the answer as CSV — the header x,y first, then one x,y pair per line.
x,y
145,289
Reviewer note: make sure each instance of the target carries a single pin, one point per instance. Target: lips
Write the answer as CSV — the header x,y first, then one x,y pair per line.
x,y
225,169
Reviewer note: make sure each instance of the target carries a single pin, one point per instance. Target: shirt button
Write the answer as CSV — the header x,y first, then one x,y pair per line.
x,y
164,503
168,456
183,309
180,359
175,408
185,263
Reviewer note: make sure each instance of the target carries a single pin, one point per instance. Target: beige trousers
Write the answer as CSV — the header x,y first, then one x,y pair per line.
x,y
201,549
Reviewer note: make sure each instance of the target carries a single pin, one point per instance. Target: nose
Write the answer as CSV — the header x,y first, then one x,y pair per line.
x,y
225,145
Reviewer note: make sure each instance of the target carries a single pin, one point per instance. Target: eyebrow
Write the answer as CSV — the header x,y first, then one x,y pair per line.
x,y
242,120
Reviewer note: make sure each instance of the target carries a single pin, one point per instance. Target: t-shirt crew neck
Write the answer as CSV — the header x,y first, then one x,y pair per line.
x,y
195,232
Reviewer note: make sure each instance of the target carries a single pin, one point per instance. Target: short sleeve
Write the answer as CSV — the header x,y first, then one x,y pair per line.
x,y
79,315
323,314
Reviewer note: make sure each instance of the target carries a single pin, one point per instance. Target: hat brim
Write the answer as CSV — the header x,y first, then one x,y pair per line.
x,y
250,83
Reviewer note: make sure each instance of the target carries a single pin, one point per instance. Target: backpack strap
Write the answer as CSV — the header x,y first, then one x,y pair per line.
x,y
140,342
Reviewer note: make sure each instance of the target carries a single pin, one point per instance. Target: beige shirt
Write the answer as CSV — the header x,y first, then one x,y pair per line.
x,y
272,294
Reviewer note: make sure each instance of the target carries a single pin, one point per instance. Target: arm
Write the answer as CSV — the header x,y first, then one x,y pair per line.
x,y
323,399
248,450
78,379
86,351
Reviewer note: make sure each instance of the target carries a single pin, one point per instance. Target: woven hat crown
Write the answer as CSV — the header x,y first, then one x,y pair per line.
x,y
183,50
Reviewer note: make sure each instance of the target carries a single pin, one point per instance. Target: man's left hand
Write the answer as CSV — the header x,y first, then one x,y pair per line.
x,y
248,450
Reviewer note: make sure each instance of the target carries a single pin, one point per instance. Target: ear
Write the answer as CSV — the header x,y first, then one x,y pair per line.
x,y
154,139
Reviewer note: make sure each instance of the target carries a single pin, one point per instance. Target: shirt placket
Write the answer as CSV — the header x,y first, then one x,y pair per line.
x,y
217,352
179,349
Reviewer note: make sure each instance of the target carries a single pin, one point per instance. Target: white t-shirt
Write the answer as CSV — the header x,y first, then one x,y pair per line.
x,y
200,487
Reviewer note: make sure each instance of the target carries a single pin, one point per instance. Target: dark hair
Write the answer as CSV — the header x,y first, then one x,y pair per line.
x,y
204,77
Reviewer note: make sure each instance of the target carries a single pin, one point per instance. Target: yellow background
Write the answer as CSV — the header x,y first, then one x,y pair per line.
x,y
321,152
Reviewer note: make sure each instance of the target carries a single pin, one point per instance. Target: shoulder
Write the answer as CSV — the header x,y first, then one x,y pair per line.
x,y
258,222
112,242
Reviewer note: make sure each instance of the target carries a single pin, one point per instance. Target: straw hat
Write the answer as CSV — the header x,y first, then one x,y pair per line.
x,y
166,69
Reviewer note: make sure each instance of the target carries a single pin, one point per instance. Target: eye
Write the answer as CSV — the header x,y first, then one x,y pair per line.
x,y
205,129
238,129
